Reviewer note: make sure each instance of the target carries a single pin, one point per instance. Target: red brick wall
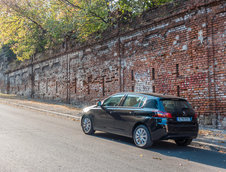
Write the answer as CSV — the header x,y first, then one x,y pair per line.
x,y
182,44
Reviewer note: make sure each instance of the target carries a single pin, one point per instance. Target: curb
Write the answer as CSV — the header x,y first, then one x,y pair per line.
x,y
47,111
209,146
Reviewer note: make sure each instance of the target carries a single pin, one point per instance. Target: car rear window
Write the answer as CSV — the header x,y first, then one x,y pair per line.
x,y
175,105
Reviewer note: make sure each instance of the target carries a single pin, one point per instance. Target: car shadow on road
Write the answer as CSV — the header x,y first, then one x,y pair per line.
x,y
169,148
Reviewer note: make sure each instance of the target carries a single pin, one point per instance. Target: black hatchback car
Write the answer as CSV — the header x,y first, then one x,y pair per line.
x,y
144,117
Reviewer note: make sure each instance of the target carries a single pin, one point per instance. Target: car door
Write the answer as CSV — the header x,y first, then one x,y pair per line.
x,y
125,116
103,114
99,118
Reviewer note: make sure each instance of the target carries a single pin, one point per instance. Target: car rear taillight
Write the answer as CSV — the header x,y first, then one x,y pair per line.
x,y
163,114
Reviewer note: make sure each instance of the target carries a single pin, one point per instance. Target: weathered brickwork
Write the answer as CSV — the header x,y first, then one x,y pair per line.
x,y
177,50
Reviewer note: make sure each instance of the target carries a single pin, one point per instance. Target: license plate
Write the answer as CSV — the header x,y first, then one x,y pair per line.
x,y
183,119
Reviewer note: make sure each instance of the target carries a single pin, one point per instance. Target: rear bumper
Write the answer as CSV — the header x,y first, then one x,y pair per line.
x,y
174,131
177,135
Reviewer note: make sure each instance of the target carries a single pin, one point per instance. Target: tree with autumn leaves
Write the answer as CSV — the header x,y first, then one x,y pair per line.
x,y
32,26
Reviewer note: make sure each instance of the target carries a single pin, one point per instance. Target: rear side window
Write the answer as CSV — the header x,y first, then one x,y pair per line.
x,y
133,101
113,100
151,103
175,105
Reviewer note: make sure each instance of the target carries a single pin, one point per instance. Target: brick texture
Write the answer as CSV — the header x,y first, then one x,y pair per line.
x,y
178,49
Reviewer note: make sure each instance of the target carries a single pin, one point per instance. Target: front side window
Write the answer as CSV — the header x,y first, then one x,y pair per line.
x,y
113,100
133,101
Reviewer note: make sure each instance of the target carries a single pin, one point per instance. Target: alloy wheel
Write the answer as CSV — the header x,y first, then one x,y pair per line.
x,y
141,137
86,125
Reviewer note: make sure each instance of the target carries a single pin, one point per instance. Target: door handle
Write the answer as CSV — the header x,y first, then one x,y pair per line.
x,y
112,112
131,112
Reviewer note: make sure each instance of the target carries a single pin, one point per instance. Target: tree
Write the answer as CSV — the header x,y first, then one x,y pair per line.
x,y
95,16
5,51
36,25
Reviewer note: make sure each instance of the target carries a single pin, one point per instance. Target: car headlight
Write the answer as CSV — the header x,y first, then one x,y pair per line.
x,y
86,109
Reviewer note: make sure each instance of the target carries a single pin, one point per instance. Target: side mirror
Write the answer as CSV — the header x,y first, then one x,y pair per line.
x,y
99,103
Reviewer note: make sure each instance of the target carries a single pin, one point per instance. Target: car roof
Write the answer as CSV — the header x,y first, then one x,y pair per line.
x,y
155,95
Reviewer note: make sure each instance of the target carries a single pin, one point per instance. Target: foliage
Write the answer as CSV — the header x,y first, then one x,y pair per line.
x,y
33,25
36,25
5,51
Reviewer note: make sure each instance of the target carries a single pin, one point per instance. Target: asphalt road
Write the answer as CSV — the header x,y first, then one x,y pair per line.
x,y
35,141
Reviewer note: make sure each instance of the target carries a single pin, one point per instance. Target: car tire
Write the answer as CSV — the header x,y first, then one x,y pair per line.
x,y
183,142
87,125
142,137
